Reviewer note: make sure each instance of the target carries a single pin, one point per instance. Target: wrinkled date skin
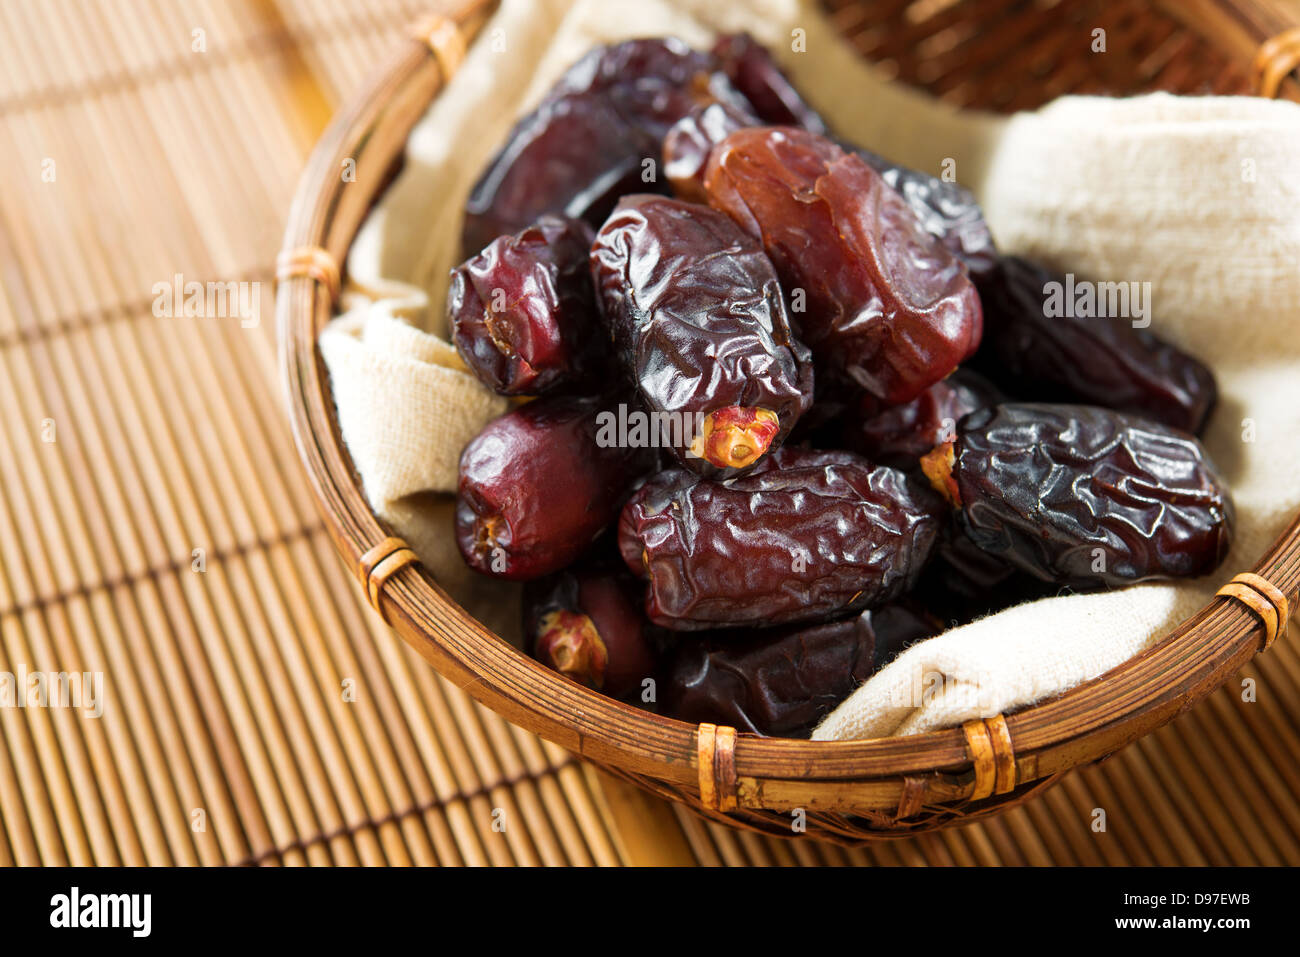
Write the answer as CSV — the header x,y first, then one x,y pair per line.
x,y
523,313
692,138
1094,361
536,488
700,328
588,142
586,622
899,435
784,681
887,306
755,74
1083,496
652,82
947,211
807,536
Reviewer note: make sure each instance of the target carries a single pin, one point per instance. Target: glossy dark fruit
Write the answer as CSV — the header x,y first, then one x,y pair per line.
x,y
807,536
573,156
692,138
784,681
586,622
1083,496
537,488
879,300
523,312
755,74
1093,361
597,135
652,82
700,329
899,435
963,582
946,210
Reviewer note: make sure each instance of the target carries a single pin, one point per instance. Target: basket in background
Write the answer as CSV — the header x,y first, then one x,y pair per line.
x,y
995,54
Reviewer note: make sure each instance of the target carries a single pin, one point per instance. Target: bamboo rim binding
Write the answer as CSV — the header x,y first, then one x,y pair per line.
x,y
378,565
444,39
311,262
1277,58
1263,598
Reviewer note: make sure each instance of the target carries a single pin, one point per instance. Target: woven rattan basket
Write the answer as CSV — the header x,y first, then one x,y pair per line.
x,y
1000,54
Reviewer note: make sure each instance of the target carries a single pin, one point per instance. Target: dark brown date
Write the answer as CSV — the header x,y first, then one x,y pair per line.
x,y
597,135
523,312
948,212
536,488
652,82
784,681
573,156
1085,497
692,138
700,328
806,536
586,623
899,435
963,582
1094,361
755,74
885,304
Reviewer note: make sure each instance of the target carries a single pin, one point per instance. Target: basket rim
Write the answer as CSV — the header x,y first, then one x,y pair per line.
x,y
1081,725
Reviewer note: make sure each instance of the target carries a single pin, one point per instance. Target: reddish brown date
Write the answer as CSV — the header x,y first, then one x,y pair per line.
x,y
784,681
899,435
586,623
1050,357
700,329
946,210
885,304
755,74
806,536
1085,497
597,135
523,313
536,488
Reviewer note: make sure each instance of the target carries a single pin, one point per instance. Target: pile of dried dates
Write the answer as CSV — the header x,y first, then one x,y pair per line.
x,y
784,408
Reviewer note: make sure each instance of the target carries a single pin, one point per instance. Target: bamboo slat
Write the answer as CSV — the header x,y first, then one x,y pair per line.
x,y
224,686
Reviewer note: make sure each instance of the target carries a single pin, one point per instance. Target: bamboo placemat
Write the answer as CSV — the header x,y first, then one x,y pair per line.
x,y
155,527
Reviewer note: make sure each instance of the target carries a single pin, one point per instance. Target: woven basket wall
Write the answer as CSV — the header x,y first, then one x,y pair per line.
x,y
1000,54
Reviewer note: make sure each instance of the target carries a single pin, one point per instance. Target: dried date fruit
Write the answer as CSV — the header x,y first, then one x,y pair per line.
x,y
523,312
573,156
597,135
652,82
899,435
884,304
806,536
947,211
1051,357
700,328
692,138
963,582
536,488
1085,497
586,623
755,74
784,681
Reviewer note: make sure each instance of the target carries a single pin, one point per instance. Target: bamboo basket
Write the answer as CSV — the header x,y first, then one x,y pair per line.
x,y
999,54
